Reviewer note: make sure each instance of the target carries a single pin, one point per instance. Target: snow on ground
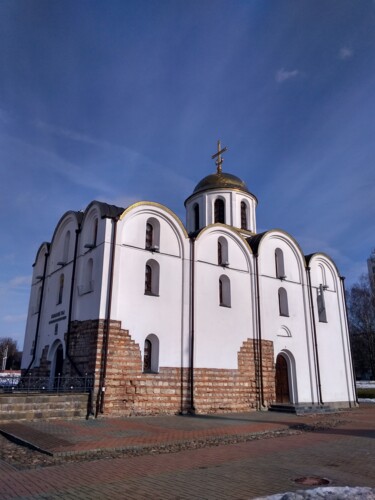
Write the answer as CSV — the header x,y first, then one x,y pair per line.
x,y
365,384
333,493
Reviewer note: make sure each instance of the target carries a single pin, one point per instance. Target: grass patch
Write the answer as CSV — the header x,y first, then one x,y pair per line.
x,y
366,393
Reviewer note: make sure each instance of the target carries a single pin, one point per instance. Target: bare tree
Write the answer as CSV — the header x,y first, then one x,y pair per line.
x,y
9,354
361,309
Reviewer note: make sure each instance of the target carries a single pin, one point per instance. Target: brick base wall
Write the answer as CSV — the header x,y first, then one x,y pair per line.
x,y
129,391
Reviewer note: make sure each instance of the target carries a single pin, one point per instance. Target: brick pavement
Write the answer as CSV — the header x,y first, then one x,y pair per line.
x,y
344,454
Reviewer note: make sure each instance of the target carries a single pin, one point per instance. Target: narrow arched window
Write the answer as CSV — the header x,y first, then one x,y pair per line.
x,y
151,354
219,253
152,234
147,356
243,215
95,233
148,279
88,278
196,217
224,291
65,256
283,302
322,313
61,289
219,211
35,309
222,252
149,235
279,263
152,271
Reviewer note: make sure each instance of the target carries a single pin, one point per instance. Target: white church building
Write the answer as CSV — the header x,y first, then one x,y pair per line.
x,y
206,317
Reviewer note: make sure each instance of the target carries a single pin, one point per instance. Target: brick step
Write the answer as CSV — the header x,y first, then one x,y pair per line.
x,y
46,406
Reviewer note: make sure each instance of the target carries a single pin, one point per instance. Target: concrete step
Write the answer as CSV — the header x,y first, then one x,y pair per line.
x,y
301,409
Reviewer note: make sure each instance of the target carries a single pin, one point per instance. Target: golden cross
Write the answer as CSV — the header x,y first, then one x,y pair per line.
x,y
217,155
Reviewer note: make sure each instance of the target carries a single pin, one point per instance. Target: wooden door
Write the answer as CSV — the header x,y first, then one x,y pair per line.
x,y
282,380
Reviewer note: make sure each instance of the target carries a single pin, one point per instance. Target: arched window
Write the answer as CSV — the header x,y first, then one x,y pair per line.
x,y
279,263
222,252
38,300
219,211
152,278
243,215
147,356
196,217
65,256
149,235
89,284
323,279
224,291
61,289
151,354
322,313
152,235
283,302
95,233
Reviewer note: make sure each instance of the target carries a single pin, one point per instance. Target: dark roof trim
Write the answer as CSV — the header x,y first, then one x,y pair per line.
x,y
106,211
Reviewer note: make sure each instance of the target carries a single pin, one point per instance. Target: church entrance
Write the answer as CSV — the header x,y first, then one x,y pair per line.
x,y
282,380
59,361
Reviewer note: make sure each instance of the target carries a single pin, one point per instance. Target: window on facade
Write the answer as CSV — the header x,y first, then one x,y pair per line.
x,y
151,354
38,300
219,210
222,252
152,278
196,217
152,234
65,256
149,235
219,253
279,262
148,279
147,356
88,278
243,215
224,291
56,328
61,289
322,313
95,233
283,302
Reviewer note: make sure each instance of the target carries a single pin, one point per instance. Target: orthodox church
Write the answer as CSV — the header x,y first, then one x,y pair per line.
x,y
205,317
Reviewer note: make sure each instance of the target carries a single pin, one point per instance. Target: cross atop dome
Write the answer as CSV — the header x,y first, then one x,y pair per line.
x,y
217,155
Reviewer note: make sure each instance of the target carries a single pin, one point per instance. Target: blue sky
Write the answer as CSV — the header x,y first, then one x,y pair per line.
x,y
124,100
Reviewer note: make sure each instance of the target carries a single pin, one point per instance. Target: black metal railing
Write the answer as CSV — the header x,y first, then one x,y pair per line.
x,y
30,383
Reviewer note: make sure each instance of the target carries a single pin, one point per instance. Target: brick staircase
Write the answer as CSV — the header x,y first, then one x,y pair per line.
x,y
42,406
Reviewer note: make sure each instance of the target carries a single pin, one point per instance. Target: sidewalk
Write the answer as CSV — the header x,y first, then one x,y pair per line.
x,y
340,448
66,437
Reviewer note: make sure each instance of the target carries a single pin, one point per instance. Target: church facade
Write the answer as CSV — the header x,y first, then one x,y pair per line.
x,y
208,317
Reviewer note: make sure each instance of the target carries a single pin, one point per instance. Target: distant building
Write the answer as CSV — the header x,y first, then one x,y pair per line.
x,y
211,317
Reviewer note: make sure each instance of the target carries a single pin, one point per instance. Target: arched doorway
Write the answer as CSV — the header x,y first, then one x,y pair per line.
x,y
282,380
56,356
59,361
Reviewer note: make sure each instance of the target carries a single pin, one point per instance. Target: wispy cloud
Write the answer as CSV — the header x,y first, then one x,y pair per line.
x,y
67,133
282,75
345,53
14,318
20,281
